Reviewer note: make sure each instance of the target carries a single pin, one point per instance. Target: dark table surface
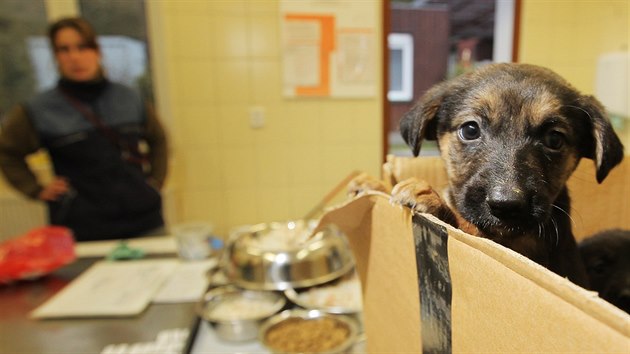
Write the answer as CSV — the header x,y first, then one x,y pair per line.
x,y
21,334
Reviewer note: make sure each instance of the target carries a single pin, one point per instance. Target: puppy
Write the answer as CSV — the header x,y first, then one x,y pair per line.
x,y
510,136
607,259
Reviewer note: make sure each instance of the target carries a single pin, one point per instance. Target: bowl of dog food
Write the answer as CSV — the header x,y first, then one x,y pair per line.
x,y
303,331
237,314
279,256
340,296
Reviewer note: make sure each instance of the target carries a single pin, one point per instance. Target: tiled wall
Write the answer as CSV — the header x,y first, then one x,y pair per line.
x,y
213,62
568,36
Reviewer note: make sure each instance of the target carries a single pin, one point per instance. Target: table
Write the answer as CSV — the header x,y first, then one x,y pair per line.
x,y
20,334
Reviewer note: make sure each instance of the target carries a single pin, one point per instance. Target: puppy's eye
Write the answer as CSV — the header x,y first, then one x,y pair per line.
x,y
554,140
469,131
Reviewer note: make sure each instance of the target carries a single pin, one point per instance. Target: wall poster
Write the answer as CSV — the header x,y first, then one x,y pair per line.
x,y
329,48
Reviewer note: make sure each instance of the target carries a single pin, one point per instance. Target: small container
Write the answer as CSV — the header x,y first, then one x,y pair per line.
x,y
193,240
237,314
302,331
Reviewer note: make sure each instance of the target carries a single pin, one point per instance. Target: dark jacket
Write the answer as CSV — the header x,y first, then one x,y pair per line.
x,y
110,195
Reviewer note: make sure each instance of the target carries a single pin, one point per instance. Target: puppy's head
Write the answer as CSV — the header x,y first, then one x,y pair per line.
x,y
607,263
510,136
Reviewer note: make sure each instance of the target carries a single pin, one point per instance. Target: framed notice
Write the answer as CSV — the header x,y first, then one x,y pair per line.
x,y
329,48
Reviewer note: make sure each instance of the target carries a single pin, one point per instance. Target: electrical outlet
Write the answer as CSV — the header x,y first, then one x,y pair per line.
x,y
257,117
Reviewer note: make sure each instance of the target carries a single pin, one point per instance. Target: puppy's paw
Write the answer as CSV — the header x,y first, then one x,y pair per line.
x,y
365,183
419,196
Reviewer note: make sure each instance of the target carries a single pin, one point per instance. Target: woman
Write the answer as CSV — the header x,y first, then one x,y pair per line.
x,y
107,147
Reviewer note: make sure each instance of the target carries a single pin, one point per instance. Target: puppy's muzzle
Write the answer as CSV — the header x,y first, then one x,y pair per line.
x,y
507,202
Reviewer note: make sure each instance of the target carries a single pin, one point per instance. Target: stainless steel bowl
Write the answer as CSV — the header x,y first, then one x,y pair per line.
x,y
302,331
340,296
251,263
236,314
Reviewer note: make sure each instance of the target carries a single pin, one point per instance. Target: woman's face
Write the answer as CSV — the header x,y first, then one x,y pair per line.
x,y
76,61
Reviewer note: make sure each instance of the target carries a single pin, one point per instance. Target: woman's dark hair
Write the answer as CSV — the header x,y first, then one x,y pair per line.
x,y
84,28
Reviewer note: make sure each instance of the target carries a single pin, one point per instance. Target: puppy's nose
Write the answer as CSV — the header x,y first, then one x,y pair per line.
x,y
507,203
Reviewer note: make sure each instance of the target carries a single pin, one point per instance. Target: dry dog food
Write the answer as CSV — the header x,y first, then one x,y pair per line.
x,y
307,335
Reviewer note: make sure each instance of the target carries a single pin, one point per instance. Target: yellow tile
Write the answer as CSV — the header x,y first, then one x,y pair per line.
x,y
230,36
275,132
193,82
267,7
202,169
230,7
234,126
191,36
198,126
204,205
266,84
340,161
238,168
233,82
304,122
346,120
189,7
303,199
272,167
273,204
264,36
306,165
241,207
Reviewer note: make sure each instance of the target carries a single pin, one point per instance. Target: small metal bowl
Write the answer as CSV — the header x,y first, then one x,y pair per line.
x,y
251,263
237,314
332,297
301,331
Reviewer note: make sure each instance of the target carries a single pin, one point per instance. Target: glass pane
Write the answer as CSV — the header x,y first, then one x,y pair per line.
x,y
121,25
395,69
19,20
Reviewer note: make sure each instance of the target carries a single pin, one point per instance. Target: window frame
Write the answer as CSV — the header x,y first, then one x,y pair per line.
x,y
404,43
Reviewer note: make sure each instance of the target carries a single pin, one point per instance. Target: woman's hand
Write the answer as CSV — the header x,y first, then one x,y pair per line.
x,y
58,187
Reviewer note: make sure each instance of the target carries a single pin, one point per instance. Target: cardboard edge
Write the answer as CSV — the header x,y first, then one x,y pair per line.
x,y
585,300
367,205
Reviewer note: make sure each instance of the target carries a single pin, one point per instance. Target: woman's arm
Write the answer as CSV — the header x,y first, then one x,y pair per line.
x,y
18,139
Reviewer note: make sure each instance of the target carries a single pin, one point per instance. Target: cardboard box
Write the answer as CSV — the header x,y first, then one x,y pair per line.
x,y
431,288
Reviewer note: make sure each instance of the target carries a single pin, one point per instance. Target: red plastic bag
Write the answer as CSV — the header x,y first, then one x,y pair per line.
x,y
38,252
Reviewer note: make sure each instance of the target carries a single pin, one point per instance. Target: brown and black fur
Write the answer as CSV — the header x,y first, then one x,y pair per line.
x,y
607,259
508,183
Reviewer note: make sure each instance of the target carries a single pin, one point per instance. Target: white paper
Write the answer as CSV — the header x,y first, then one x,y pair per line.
x,y
187,283
109,289
150,245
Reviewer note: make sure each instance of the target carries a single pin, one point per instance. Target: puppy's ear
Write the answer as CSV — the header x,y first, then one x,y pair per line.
x,y
604,147
419,122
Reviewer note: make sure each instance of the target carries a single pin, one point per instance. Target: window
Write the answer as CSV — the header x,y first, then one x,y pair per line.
x,y
400,67
27,62
122,30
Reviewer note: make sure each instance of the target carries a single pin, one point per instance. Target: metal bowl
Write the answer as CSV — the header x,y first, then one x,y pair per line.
x,y
253,259
301,331
237,314
340,296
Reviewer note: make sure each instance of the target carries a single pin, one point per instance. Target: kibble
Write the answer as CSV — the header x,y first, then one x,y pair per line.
x,y
307,335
